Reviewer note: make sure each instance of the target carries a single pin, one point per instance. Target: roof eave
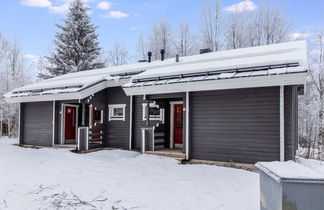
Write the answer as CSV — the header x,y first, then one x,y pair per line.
x,y
67,96
222,84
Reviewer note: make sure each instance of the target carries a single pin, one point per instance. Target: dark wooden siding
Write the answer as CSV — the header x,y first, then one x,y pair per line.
x,y
291,113
37,127
117,131
239,125
98,101
138,122
57,135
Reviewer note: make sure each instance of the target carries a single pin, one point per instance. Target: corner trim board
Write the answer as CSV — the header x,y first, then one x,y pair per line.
x,y
282,123
187,125
130,122
53,122
19,125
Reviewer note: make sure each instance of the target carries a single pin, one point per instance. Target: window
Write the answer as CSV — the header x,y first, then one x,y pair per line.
x,y
155,112
95,116
117,112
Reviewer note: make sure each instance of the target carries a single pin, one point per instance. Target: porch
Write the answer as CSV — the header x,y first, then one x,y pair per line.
x,y
154,124
161,128
73,115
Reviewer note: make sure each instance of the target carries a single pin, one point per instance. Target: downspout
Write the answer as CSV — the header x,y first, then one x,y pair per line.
x,y
62,123
19,125
282,124
130,122
187,126
147,111
83,114
53,122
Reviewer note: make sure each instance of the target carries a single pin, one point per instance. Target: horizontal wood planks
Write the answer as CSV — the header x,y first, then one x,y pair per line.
x,y
239,125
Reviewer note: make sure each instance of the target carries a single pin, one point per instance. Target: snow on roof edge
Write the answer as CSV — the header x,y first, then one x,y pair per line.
x,y
243,57
98,74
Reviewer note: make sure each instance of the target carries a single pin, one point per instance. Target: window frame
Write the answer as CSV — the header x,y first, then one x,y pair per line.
x,y
91,116
153,105
111,108
101,116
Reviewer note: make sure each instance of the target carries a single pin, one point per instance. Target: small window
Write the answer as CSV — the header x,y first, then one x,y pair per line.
x,y
117,112
95,116
155,112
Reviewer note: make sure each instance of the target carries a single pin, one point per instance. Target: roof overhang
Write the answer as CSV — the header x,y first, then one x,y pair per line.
x,y
235,83
68,96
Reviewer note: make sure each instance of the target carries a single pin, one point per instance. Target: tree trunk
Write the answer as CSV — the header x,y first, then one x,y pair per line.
x,y
1,122
321,128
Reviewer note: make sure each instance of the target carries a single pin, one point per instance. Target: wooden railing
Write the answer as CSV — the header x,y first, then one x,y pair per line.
x,y
95,138
89,138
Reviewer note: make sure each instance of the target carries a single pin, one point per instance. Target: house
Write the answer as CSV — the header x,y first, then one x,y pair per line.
x,y
237,105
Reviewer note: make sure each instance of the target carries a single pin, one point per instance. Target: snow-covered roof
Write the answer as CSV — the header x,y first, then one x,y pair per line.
x,y
262,56
277,59
243,64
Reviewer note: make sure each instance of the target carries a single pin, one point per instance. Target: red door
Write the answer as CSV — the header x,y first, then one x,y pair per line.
x,y
178,123
70,124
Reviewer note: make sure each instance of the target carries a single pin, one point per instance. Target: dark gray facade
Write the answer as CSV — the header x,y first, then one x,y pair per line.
x,y
241,125
117,131
37,117
162,131
36,126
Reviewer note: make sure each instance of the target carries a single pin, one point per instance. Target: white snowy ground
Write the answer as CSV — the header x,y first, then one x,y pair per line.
x,y
51,178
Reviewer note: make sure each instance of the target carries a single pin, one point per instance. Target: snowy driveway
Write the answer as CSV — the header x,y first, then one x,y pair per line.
x,y
51,178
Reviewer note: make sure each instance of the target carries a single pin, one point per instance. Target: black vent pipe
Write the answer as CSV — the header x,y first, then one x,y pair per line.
x,y
162,54
149,54
177,58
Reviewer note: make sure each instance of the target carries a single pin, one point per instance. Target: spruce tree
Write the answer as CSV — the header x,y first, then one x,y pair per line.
x,y
76,46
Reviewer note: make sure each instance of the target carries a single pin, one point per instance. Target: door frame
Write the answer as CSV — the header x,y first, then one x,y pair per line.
x,y
172,103
62,142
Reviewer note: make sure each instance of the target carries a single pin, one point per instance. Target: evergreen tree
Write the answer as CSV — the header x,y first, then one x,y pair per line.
x,y
76,46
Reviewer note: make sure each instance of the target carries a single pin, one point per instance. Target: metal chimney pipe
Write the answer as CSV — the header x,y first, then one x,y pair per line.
x,y
162,54
177,58
149,54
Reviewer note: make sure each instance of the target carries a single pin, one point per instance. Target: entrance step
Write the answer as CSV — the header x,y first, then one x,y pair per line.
x,y
167,153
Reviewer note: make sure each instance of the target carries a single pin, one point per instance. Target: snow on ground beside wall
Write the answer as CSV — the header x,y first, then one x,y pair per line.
x,y
48,178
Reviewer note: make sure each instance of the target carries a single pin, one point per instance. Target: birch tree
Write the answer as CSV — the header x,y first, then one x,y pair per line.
x,y
236,33
141,47
317,75
161,38
267,25
12,75
308,121
3,53
210,27
264,26
184,40
117,55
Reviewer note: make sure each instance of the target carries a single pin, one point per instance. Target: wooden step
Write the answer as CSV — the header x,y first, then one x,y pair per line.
x,y
167,154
